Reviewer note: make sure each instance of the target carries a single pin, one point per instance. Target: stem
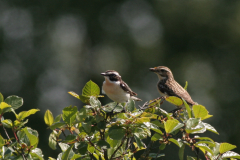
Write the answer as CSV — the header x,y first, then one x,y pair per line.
x,y
15,135
157,154
94,145
196,150
7,134
147,151
118,148
64,133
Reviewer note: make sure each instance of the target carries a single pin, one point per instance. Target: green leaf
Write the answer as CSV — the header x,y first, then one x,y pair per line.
x,y
58,118
63,146
82,114
32,138
91,148
109,107
149,115
76,156
140,144
130,105
3,105
82,148
189,111
87,126
162,146
204,138
139,132
169,125
103,144
101,125
177,142
48,118
70,138
154,103
14,101
191,158
2,141
181,152
210,128
91,89
118,108
7,123
224,147
24,114
57,125
69,114
200,112
66,155
116,132
1,97
158,123
84,99
231,154
153,127
156,137
53,140
74,94
142,120
194,125
203,147
174,100
94,102
155,155
37,154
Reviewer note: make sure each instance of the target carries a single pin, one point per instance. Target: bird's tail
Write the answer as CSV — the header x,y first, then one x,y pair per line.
x,y
135,98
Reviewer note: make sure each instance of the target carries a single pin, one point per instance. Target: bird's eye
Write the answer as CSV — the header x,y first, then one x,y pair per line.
x,y
162,70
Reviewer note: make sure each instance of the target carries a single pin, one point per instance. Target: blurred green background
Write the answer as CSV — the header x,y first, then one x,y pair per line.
x,y
48,48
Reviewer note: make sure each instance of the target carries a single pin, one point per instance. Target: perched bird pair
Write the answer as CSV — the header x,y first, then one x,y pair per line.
x,y
118,91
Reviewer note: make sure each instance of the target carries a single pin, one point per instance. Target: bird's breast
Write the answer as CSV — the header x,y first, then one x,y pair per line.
x,y
115,92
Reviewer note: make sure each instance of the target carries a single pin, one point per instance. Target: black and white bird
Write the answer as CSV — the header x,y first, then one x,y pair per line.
x,y
116,89
167,86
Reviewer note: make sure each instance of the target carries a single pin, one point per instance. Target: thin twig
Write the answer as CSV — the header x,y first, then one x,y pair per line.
x,y
64,133
147,151
94,145
157,154
10,140
128,144
7,134
197,152
118,148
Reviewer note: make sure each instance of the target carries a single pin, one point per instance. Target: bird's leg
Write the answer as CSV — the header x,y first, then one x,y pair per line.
x,y
124,108
115,106
110,114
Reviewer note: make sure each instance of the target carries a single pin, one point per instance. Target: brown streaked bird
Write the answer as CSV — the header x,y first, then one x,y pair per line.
x,y
167,86
116,89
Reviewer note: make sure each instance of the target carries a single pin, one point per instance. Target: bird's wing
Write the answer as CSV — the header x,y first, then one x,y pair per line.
x,y
127,89
177,90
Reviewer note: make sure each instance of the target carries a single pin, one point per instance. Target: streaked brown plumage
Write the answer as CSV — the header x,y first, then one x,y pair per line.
x,y
167,86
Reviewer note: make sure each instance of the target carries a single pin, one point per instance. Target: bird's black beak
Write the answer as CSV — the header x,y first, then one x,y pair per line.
x,y
103,74
152,69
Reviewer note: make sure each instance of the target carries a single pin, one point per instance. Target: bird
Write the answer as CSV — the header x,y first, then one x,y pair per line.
x,y
116,89
167,86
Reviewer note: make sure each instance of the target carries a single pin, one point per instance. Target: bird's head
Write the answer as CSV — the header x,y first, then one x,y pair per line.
x,y
111,75
162,72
